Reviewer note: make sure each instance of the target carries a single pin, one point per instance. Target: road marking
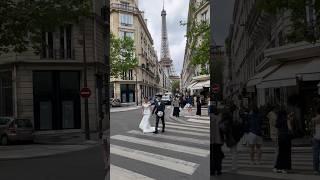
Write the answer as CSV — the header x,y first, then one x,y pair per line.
x,y
198,117
163,145
174,138
188,125
188,133
118,173
199,121
155,159
279,176
186,128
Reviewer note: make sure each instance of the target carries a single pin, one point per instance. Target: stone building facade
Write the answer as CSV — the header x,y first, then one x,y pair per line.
x,y
46,88
148,78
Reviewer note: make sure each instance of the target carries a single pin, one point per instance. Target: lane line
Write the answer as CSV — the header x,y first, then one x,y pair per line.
x,y
188,125
198,121
155,159
188,133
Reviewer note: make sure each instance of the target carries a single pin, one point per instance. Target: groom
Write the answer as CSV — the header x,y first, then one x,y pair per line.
x,y
159,109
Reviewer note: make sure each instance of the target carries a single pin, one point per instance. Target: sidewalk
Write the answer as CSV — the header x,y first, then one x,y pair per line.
x,y
38,150
121,109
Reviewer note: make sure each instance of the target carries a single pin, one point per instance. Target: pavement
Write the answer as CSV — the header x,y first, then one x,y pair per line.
x,y
122,109
85,164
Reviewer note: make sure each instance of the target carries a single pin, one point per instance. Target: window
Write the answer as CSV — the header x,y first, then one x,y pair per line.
x,y
126,34
6,97
124,5
47,45
204,16
126,20
65,42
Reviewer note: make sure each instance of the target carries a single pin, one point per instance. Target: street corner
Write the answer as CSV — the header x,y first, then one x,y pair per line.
x,y
13,152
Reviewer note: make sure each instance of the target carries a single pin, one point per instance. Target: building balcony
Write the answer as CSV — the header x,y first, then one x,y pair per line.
x,y
123,7
57,54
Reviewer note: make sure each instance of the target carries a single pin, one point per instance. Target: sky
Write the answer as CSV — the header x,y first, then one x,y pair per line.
x,y
177,10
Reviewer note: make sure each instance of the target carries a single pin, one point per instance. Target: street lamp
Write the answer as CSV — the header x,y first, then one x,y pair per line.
x,y
136,74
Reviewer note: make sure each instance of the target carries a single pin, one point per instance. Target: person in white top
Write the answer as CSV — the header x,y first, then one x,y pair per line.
x,y
145,122
316,142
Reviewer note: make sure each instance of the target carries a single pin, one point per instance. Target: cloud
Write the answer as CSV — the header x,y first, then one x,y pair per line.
x,y
177,10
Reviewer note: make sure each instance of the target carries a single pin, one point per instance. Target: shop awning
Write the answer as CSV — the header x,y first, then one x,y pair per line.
x,y
201,85
287,74
311,71
258,77
190,86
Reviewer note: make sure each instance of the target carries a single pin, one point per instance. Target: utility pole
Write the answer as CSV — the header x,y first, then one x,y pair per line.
x,y
137,87
85,84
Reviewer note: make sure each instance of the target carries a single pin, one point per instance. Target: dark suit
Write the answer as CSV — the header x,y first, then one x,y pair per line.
x,y
159,107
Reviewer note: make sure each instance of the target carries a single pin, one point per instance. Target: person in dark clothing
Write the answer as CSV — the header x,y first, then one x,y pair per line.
x,y
283,163
217,142
176,109
255,135
198,106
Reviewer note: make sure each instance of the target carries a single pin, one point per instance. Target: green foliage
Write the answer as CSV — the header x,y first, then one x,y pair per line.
x,y
21,22
175,85
298,16
122,55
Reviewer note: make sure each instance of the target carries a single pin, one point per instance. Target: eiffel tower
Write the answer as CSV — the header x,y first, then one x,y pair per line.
x,y
165,59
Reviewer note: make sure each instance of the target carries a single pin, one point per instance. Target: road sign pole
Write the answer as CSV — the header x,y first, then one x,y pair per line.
x,y
85,84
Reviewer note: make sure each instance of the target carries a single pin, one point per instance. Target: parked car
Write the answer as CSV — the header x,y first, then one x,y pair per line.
x,y
166,99
12,130
115,102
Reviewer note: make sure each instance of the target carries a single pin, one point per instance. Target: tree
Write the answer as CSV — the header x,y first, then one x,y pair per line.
x,y
297,9
174,86
122,55
22,22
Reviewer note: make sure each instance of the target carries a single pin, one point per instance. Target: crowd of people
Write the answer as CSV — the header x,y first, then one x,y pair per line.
x,y
233,124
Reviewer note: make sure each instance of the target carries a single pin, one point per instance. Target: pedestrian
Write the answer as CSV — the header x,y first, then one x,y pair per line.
x,y
284,127
244,115
272,117
198,106
233,134
189,104
176,108
217,142
316,141
255,135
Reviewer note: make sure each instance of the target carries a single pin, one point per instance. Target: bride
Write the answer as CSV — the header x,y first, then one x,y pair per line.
x,y
145,123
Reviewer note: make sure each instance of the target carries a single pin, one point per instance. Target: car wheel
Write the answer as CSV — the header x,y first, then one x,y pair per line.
x,y
4,140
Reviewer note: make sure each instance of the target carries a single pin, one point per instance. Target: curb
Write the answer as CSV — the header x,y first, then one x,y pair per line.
x,y
13,157
123,109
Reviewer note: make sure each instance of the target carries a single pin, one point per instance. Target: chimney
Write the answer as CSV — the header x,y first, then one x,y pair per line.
x,y
142,13
146,21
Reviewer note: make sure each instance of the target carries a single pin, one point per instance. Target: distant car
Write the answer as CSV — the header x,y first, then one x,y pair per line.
x,y
12,130
115,102
166,99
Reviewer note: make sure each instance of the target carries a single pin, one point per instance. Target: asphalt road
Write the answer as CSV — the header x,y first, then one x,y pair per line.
x,y
81,165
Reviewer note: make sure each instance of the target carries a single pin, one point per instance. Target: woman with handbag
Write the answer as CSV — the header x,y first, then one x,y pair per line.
x,y
284,126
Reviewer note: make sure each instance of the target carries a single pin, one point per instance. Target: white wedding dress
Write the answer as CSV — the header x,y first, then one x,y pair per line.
x,y
145,123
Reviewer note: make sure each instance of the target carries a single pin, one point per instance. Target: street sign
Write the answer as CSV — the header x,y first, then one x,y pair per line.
x,y
215,88
85,92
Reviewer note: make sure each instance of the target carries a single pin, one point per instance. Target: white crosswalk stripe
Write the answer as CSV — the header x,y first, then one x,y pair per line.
x,y
199,121
163,145
187,128
188,139
300,161
118,173
188,125
155,159
198,117
175,138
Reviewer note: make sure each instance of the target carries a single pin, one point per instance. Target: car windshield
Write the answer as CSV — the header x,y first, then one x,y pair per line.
x,y
4,121
22,123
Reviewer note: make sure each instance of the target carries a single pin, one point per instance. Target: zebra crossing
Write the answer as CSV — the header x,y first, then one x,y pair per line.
x,y
180,151
301,160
